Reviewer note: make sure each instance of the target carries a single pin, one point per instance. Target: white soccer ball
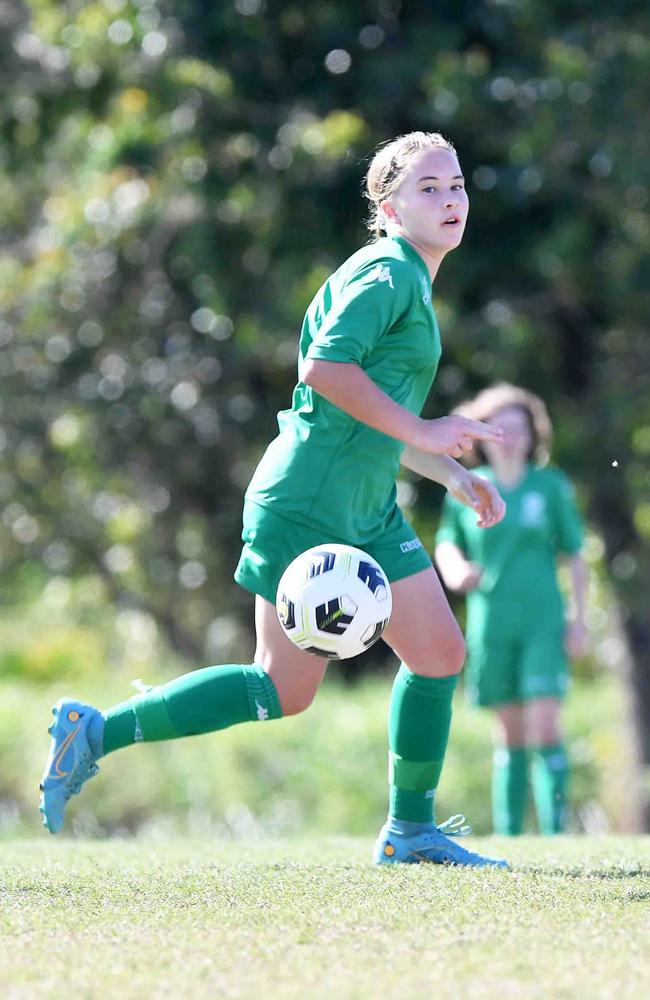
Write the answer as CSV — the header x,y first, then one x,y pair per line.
x,y
334,600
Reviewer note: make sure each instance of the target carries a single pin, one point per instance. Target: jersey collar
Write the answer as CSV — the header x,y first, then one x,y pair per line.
x,y
413,256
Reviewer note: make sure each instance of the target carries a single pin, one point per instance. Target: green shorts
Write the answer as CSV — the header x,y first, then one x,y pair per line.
x,y
271,542
503,669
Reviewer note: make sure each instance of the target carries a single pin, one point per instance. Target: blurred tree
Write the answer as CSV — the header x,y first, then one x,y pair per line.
x,y
176,181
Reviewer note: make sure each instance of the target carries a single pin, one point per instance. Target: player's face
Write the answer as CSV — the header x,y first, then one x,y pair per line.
x,y
517,438
430,205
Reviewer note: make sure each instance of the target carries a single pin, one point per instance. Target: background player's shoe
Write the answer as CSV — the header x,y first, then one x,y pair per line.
x,y
432,846
70,761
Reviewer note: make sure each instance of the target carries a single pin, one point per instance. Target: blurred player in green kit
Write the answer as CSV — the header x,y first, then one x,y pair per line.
x,y
517,636
369,351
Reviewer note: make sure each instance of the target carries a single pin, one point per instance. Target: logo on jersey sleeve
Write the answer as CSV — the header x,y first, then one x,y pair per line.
x,y
426,292
382,273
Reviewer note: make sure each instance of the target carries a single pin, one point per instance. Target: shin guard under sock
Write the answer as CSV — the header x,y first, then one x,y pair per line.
x,y
418,732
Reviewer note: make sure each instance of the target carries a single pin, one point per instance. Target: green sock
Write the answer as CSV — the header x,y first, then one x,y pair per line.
x,y
418,732
199,702
509,789
550,775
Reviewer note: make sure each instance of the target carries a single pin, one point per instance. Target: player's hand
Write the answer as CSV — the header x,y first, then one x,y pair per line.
x,y
575,639
481,495
463,576
455,435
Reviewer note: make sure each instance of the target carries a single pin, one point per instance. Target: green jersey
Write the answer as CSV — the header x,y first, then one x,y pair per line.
x,y
518,556
325,468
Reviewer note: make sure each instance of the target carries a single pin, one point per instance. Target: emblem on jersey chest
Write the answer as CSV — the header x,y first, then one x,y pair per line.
x,y
426,292
533,510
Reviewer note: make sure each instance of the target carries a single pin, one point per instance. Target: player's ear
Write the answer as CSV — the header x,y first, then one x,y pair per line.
x,y
388,212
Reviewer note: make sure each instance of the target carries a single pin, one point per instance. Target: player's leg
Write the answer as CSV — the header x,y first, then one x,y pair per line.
x,y
295,675
493,682
282,681
509,770
425,636
544,682
550,763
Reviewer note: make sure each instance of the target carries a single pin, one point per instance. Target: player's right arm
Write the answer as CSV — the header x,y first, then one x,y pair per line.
x,y
453,547
457,572
352,390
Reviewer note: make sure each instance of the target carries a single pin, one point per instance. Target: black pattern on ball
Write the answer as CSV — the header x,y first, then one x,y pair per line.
x,y
321,562
371,576
379,628
286,612
326,653
330,617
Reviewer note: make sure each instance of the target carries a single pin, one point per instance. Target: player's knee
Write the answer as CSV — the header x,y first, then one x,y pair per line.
x,y
453,652
295,702
444,658
448,654
542,722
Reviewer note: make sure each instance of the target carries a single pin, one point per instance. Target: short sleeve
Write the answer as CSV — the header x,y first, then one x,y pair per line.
x,y
450,528
374,298
569,528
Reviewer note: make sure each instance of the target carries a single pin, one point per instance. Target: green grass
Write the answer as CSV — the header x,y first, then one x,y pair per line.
x,y
311,918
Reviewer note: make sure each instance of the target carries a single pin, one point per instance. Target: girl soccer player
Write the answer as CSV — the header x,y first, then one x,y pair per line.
x,y
517,637
369,350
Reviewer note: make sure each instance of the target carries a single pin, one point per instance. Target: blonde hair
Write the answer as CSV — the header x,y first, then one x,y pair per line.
x,y
384,175
488,402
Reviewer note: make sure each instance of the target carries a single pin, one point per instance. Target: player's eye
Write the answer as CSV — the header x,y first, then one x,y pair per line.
x,y
428,188
457,187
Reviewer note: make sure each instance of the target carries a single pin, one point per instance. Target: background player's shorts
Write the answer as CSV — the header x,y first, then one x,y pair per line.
x,y
501,669
271,542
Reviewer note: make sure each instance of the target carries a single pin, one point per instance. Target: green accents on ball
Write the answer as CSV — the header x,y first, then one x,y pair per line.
x,y
418,732
509,789
550,776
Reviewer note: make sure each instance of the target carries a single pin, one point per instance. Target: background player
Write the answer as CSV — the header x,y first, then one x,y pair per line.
x,y
517,637
369,350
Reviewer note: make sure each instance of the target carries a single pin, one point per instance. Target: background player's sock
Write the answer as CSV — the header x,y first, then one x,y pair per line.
x,y
418,732
550,773
509,789
199,702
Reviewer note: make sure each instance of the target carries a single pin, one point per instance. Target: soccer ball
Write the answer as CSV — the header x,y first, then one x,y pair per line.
x,y
334,600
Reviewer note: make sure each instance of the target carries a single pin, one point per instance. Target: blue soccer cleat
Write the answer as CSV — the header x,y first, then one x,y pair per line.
x,y
432,846
70,762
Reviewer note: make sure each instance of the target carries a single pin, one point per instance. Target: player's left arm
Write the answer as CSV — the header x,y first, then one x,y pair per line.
x,y
575,636
469,489
570,541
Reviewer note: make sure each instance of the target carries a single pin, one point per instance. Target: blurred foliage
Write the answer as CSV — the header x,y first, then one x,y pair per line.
x,y
321,772
177,179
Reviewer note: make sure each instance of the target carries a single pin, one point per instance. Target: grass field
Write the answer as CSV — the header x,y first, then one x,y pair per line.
x,y
311,918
